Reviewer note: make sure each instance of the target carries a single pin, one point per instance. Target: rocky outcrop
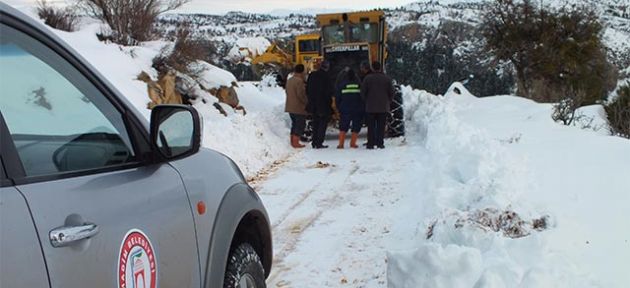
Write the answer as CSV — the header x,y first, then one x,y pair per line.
x,y
162,91
175,88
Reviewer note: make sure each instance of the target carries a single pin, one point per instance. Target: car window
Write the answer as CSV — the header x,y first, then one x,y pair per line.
x,y
57,119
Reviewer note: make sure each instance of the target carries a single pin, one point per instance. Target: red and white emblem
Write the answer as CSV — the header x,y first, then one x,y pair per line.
x,y
136,262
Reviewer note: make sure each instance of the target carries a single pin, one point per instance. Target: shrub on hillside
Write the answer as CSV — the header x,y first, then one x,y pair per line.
x,y
185,51
565,111
131,21
59,18
618,112
552,51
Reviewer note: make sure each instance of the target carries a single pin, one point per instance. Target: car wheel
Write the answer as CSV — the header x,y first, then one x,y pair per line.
x,y
244,270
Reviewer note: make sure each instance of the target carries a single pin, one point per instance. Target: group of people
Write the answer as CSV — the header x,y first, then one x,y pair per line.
x,y
360,99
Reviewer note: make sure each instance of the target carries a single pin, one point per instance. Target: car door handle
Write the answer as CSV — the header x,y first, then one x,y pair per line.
x,y
67,235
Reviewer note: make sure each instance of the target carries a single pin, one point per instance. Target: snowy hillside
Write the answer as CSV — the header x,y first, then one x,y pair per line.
x,y
236,25
615,16
450,25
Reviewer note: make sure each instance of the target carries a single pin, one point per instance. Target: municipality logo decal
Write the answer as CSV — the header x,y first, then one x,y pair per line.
x,y
136,262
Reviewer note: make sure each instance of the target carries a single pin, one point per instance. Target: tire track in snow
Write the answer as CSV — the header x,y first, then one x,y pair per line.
x,y
289,233
264,174
288,212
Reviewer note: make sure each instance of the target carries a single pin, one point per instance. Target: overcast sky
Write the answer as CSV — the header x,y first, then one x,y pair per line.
x,y
266,6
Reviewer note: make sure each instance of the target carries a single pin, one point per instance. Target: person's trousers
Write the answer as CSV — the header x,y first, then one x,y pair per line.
x,y
320,123
376,129
298,124
354,120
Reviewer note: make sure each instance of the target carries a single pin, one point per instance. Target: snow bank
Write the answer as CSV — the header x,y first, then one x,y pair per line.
x,y
434,266
254,140
474,171
213,76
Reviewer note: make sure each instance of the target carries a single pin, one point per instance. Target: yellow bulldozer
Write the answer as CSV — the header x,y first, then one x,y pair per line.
x,y
306,52
344,40
348,39
351,38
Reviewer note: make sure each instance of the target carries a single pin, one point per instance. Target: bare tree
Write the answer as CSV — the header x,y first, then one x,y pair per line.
x,y
59,18
131,21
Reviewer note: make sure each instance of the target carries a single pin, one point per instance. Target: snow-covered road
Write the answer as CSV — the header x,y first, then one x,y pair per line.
x,y
334,221
471,173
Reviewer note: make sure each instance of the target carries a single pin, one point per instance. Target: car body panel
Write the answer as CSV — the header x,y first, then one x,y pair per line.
x,y
239,201
20,253
224,210
151,199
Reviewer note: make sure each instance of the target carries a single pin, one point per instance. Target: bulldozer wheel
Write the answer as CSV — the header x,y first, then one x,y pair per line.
x,y
308,131
396,119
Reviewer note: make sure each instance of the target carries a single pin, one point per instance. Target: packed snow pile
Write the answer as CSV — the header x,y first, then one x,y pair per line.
x,y
245,48
514,199
214,77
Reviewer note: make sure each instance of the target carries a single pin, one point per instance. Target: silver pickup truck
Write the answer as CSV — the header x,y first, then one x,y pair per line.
x,y
91,195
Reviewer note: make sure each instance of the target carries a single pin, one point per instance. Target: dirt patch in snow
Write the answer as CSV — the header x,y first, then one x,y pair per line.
x,y
507,222
264,174
321,165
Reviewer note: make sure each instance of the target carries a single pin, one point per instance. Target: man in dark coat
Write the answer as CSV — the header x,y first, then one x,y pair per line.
x,y
364,69
319,91
377,91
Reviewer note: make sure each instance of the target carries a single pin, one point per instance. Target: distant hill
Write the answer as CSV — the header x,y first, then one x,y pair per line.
x,y
444,33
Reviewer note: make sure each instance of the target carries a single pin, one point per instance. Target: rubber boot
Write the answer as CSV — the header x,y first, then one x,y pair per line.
x,y
342,139
353,140
295,142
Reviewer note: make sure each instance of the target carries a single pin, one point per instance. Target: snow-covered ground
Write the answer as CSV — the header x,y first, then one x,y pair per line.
x,y
557,197
483,192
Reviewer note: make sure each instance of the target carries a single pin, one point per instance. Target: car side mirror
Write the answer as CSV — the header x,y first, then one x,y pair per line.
x,y
175,131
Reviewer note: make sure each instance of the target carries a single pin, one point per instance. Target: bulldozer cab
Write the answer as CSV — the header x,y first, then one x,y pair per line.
x,y
307,50
351,38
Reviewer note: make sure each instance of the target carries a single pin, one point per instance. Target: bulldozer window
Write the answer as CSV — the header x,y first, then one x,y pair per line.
x,y
364,32
309,45
333,34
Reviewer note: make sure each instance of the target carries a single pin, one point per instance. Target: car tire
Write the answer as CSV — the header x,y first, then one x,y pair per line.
x,y
244,269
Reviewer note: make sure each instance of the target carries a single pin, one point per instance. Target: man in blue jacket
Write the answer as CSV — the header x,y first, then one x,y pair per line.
x,y
350,106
